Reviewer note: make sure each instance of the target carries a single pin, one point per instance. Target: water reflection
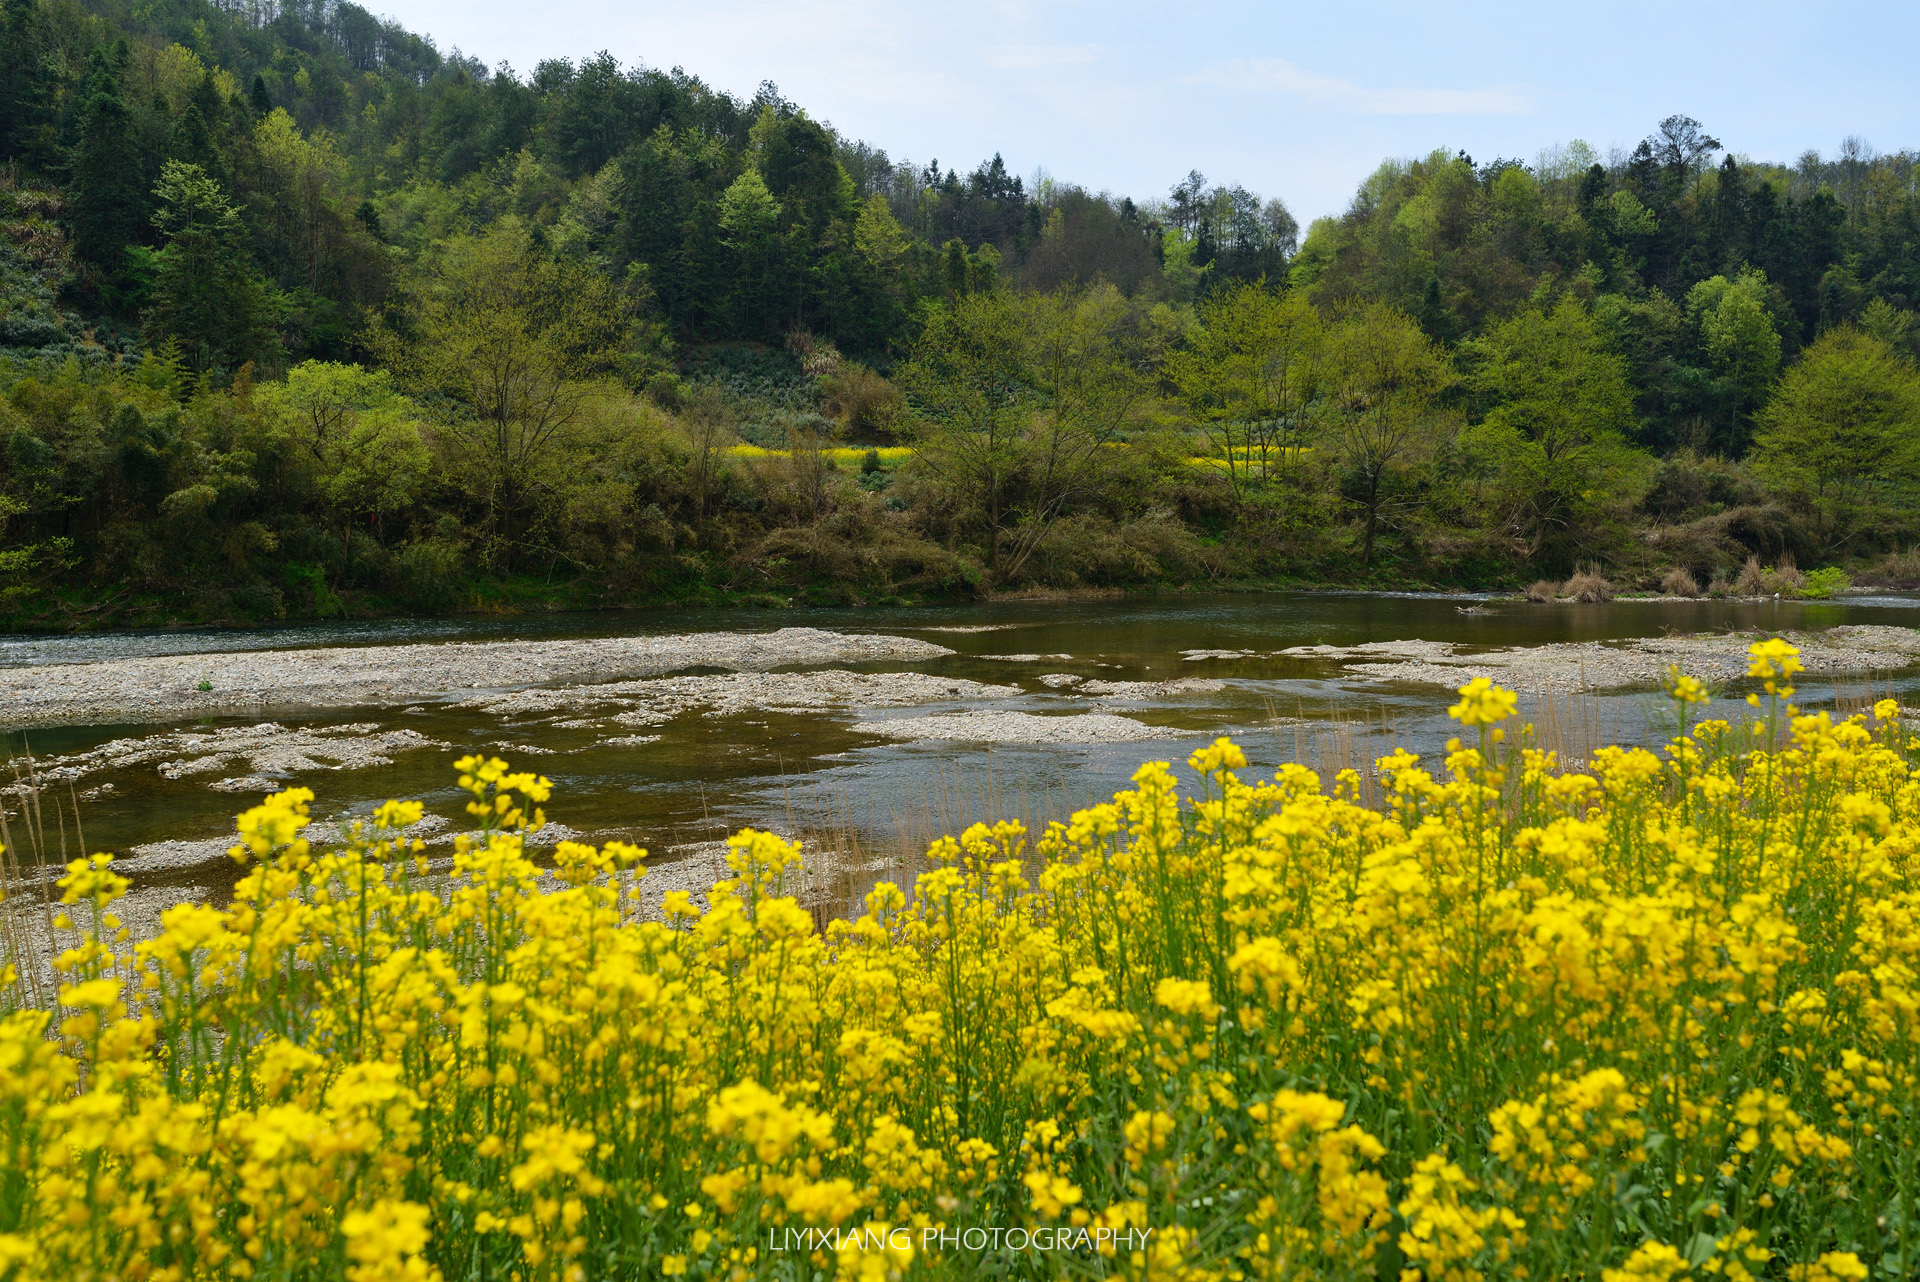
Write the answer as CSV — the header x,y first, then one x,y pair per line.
x,y
697,776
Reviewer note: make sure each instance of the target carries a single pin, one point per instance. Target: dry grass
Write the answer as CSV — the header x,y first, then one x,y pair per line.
x,y
1783,579
1543,591
33,859
1677,582
1587,586
1895,570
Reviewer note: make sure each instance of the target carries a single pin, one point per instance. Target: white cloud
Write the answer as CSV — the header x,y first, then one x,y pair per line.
x,y
1277,75
1039,57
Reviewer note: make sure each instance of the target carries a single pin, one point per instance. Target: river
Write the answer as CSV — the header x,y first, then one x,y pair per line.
x,y
1022,710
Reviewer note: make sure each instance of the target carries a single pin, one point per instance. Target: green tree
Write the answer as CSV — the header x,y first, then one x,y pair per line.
x,y
1892,325
1383,377
1248,371
199,133
107,201
361,438
206,296
1738,336
1016,399
749,219
1557,407
28,83
519,340
1088,380
967,383
1842,432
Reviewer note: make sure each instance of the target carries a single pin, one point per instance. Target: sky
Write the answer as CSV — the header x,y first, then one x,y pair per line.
x,y
1298,101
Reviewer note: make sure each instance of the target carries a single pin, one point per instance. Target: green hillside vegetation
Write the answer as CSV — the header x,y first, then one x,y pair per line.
x,y
300,316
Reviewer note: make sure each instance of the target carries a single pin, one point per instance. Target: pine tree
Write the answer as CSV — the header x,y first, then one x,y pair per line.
x,y
193,144
106,197
27,134
206,296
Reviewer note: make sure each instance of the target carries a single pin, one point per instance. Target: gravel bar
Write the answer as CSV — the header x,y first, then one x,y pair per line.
x,y
169,688
971,726
1573,666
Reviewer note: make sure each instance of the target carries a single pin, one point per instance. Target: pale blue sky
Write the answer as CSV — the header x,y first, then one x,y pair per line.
x,y
1290,100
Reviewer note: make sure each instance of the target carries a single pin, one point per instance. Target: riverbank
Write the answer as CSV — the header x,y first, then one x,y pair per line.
x,y
88,610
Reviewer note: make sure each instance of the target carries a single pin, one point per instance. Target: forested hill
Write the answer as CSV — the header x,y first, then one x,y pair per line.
x,y
299,314
736,220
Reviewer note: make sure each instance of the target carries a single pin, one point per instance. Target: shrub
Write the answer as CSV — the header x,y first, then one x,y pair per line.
x,y
430,574
1895,570
1784,579
1677,582
1588,586
867,403
1824,582
1543,591
1444,1031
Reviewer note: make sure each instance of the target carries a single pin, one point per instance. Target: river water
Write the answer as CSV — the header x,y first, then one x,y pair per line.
x,y
822,774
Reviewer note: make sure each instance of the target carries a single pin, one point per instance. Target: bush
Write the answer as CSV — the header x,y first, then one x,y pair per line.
x,y
866,403
1783,579
1688,487
429,574
1823,583
1588,586
1895,570
1441,1048
1677,582
1543,591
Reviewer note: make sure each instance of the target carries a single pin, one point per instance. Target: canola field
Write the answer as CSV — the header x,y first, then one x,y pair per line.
x,y
1650,1018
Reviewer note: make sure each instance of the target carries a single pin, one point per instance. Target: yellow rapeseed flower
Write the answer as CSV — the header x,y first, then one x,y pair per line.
x,y
1482,703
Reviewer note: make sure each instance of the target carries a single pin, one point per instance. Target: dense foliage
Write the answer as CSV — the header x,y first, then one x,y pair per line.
x,y
1655,1021
586,284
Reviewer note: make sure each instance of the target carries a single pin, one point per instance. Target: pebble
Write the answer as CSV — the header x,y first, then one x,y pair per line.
x,y
1020,727
1571,666
167,688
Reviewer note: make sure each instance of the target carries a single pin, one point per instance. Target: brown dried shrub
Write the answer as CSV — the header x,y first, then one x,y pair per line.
x,y
1677,582
1895,570
1588,586
1784,579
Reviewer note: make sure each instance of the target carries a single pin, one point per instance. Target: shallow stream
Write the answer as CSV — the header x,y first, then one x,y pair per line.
x,y
1013,722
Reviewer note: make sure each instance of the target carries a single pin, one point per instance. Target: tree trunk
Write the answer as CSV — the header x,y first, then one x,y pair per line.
x,y
1373,514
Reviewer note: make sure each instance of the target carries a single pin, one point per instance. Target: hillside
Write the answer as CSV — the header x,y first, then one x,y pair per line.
x,y
301,316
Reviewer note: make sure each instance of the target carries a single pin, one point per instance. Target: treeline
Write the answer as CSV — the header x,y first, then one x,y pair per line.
x,y
345,147
300,316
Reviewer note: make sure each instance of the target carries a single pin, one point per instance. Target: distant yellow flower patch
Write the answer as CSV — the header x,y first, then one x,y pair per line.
x,y
890,455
